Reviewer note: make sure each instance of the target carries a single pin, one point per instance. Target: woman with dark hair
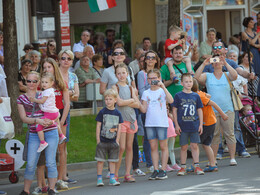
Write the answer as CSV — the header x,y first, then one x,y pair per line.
x,y
253,39
22,74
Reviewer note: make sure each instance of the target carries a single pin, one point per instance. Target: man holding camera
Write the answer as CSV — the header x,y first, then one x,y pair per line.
x,y
179,67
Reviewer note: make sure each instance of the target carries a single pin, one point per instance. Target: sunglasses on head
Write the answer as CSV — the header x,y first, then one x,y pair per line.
x,y
30,81
150,57
118,53
217,47
64,58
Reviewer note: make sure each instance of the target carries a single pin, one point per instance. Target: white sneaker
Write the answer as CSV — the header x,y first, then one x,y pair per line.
x,y
150,169
37,190
61,185
139,172
226,150
233,162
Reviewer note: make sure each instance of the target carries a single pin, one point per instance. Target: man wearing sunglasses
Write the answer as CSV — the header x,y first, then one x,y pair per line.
x,y
79,47
219,49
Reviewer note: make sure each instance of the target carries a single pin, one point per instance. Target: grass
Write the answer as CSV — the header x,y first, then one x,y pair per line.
x,y
82,141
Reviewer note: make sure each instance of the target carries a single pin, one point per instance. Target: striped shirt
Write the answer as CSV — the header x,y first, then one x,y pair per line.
x,y
28,107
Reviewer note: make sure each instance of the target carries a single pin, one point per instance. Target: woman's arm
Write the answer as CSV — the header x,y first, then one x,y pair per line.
x,y
232,72
74,94
66,103
201,77
251,41
141,81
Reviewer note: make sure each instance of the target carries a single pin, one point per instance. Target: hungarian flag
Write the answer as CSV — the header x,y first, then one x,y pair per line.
x,y
100,5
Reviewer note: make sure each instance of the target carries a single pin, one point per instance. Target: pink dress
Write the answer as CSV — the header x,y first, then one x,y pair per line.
x,y
171,129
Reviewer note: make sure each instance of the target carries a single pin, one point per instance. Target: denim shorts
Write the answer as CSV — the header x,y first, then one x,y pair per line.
x,y
207,135
194,137
159,133
110,149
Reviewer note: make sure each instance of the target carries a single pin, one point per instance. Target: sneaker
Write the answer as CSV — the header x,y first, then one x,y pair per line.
x,y
129,179
162,175
160,167
150,169
181,172
245,155
61,185
3,192
233,162
42,147
191,169
108,175
62,139
24,193
113,182
176,167
226,150
219,156
51,192
169,169
56,191
45,189
37,190
154,175
100,182
211,169
139,172
199,171
70,181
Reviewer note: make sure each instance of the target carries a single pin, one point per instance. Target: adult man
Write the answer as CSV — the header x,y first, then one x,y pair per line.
x,y
79,47
147,44
180,68
218,48
135,64
86,75
110,34
86,52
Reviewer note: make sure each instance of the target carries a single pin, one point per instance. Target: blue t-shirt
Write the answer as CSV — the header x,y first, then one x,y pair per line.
x,y
232,63
187,105
110,119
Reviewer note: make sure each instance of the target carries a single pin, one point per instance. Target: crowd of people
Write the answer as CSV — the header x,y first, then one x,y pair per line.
x,y
157,95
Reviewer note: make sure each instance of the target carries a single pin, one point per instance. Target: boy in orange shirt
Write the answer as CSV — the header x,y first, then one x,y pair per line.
x,y
209,122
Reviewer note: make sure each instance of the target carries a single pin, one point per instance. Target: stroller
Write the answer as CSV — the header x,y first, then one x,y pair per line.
x,y
251,136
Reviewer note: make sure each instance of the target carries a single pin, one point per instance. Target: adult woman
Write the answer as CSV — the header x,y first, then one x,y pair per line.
x,y
22,74
35,57
51,50
65,61
253,40
25,108
206,46
252,86
27,48
218,87
100,46
151,61
109,78
97,61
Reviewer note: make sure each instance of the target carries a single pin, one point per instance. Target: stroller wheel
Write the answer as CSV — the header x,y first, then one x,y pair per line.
x,y
13,177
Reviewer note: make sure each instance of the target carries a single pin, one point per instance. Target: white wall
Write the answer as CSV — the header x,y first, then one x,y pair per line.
x,y
22,22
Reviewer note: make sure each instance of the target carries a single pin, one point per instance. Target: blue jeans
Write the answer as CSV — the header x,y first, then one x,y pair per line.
x,y
52,138
159,133
240,145
146,145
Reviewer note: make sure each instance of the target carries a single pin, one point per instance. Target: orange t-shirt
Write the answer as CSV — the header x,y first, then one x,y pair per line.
x,y
209,117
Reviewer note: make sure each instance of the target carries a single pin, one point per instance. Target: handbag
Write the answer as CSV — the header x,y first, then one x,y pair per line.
x,y
234,96
7,125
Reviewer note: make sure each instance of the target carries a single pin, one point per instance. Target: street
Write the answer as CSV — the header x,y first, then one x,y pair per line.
x,y
241,179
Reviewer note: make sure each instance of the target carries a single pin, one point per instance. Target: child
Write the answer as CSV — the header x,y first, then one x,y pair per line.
x,y
188,120
209,123
108,130
249,120
47,105
156,122
126,102
170,43
171,140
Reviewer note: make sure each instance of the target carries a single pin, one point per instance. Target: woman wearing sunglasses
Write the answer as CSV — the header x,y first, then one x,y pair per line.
x,y
25,108
109,78
151,61
65,61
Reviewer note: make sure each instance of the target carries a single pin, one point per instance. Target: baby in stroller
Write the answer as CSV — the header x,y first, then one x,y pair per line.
x,y
249,117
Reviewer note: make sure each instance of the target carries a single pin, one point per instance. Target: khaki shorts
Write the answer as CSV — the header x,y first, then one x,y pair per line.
x,y
227,127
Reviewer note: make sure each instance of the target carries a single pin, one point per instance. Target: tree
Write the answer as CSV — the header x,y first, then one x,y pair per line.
x,y
173,12
11,59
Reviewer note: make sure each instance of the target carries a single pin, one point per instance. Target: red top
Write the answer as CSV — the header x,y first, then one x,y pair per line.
x,y
168,42
59,98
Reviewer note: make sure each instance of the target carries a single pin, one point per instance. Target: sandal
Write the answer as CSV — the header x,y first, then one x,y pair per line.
x,y
129,178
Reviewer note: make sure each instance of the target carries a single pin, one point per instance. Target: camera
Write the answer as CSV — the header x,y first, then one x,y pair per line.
x,y
182,37
154,82
214,60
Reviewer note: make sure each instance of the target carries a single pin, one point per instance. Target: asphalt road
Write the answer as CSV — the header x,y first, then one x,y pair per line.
x,y
241,179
